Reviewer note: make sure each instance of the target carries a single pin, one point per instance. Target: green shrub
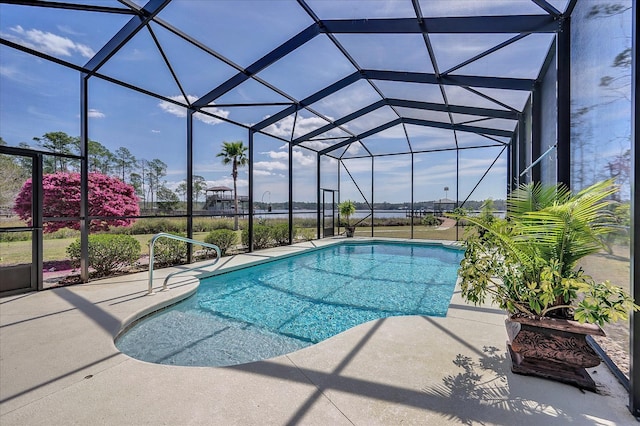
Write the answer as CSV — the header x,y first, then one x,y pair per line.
x,y
167,251
280,233
306,234
223,238
261,236
10,237
174,225
305,222
206,224
62,234
107,253
156,225
244,237
430,220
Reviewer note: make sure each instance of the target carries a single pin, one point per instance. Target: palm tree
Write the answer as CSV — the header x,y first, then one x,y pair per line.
x,y
234,153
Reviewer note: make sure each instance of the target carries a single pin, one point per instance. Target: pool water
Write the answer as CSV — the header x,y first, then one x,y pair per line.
x,y
281,306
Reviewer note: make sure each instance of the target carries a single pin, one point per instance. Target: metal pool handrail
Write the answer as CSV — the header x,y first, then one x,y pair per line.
x,y
179,238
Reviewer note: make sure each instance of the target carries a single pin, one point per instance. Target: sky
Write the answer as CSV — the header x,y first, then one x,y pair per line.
x,y
37,96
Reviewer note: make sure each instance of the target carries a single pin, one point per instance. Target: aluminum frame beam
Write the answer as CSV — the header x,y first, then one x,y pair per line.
x,y
564,105
456,25
72,6
362,111
426,123
451,80
457,109
548,8
278,53
410,77
338,85
430,106
126,33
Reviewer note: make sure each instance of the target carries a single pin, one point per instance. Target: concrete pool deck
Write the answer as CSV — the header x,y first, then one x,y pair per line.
x,y
59,366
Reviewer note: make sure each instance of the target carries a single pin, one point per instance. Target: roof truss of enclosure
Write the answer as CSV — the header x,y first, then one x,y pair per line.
x,y
424,75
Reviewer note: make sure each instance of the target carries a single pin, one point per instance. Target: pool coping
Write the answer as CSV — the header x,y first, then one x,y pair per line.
x,y
59,365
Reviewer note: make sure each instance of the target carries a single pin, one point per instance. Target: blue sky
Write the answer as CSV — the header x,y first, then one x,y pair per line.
x,y
37,96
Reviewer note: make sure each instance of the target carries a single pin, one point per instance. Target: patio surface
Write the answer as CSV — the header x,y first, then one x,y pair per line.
x,y
59,366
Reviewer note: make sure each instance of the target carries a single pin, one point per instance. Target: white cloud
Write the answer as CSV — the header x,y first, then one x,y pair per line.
x,y
269,165
207,119
262,173
317,145
304,125
282,158
371,120
179,111
242,184
94,113
302,159
47,42
155,131
348,100
174,109
40,115
68,30
355,148
281,155
9,72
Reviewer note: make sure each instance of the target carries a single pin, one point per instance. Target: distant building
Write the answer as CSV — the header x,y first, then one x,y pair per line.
x,y
219,201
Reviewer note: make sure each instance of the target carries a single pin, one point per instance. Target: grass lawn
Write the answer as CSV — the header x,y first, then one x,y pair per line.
x,y
18,252
419,232
614,267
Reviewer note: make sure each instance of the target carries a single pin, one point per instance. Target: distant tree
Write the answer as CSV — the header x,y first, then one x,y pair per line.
x,y
589,163
487,209
12,176
124,161
619,168
234,153
181,190
167,199
142,163
108,196
100,158
157,169
59,143
136,182
199,186
25,162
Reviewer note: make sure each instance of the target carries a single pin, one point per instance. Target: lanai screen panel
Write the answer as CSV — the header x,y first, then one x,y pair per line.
x,y
483,175
601,136
352,80
304,186
548,97
433,172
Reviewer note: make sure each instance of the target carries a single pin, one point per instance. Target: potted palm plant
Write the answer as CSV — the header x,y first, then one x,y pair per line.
x,y
347,209
527,264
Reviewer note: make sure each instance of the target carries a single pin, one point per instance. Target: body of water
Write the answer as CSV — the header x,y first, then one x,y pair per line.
x,y
281,306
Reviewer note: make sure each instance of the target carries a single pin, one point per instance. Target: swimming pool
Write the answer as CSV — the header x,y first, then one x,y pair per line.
x,y
287,304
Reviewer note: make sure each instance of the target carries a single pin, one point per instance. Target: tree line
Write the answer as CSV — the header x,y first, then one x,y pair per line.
x,y
146,176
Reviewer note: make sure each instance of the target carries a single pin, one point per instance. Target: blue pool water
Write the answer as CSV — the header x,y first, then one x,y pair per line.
x,y
285,305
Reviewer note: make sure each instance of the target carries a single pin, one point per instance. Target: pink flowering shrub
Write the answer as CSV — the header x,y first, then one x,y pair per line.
x,y
108,196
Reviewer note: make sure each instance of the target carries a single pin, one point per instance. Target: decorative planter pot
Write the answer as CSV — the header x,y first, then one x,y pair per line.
x,y
349,230
553,348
